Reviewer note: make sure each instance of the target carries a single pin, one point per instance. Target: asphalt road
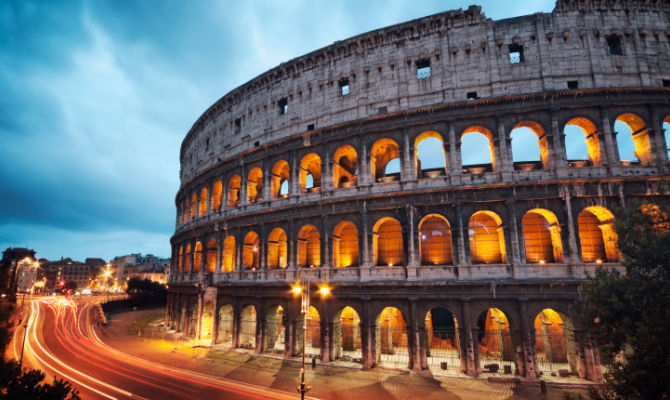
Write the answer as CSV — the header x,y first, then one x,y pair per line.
x,y
61,340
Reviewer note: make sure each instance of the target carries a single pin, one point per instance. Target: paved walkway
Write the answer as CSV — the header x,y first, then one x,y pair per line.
x,y
139,333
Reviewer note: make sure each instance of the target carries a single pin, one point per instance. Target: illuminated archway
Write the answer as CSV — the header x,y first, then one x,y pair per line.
x,y
194,200
280,175
250,251
277,249
225,336
542,236
255,186
309,247
382,152
274,330
180,263
217,191
442,344
309,177
347,335
496,350
391,338
597,235
472,156
581,141
429,157
487,241
197,257
525,148
387,242
345,245
313,337
234,184
247,335
551,343
228,256
211,255
188,259
633,139
202,204
345,167
435,240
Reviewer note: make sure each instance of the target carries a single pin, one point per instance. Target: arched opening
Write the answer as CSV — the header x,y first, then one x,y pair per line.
x,y
435,240
551,344
666,134
225,336
496,352
474,160
274,331
442,344
387,243
347,335
345,167
194,200
191,319
211,255
313,336
279,180
255,186
181,259
234,184
487,241
309,177
309,247
217,190
188,260
228,256
248,327
197,257
542,236
207,322
382,153
582,143
277,249
345,245
429,157
250,251
391,339
597,235
202,204
632,138
530,149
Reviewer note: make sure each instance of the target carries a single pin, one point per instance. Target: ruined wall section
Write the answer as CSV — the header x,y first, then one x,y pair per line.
x,y
468,55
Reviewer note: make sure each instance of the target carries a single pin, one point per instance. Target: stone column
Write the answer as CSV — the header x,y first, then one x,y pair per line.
x,y
528,360
236,323
407,167
612,158
267,185
292,245
413,336
325,244
224,195
364,172
455,162
411,236
462,259
657,138
215,320
368,340
220,237
572,236
469,349
327,175
505,162
260,331
198,322
209,199
517,256
559,158
294,187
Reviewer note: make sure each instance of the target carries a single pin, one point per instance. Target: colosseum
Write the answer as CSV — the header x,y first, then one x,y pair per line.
x,y
440,189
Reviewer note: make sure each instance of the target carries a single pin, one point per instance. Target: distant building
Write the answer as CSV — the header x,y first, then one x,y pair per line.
x,y
66,270
11,258
149,267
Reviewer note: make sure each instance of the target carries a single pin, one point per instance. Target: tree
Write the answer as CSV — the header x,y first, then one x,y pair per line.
x,y
146,291
629,314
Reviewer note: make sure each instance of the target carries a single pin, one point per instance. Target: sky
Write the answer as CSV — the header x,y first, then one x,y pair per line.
x,y
96,97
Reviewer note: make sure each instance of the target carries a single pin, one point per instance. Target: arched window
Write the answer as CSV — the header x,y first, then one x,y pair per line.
x,y
581,142
474,159
280,178
211,255
197,257
194,200
217,191
255,186
345,167
309,247
391,338
387,242
435,240
494,340
542,236
345,245
181,259
487,242
202,204
234,184
597,235
188,259
381,154
228,256
277,249
551,342
632,138
429,157
529,145
310,166
250,251
347,334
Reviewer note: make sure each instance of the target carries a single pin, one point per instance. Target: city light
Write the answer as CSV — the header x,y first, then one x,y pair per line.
x,y
296,289
324,290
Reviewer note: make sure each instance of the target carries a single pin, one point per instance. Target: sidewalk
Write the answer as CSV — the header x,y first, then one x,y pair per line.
x,y
139,333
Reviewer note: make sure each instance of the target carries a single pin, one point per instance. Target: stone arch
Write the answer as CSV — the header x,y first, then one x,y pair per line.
x,y
666,134
429,157
277,249
309,247
582,140
391,338
202,203
197,257
634,130
345,167
217,191
210,261
347,335
310,166
275,330
247,334
194,200
255,186
487,241
496,348
250,251
597,235
435,240
382,152
312,339
280,174
387,242
471,153
180,263
188,259
234,185
345,245
554,343
207,320
443,347
225,334
228,255
521,148
542,236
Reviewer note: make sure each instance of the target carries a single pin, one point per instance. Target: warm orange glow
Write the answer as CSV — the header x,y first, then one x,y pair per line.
x,y
309,247
187,266
296,289
202,204
277,249
310,165
255,186
417,156
382,151
542,139
211,255
324,290
591,138
280,174
640,136
550,339
249,256
228,257
234,184
597,235
194,199
541,236
435,240
217,190
197,257
345,167
487,243
387,242
345,245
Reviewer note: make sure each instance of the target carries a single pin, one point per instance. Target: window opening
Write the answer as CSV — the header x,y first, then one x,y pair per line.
x,y
573,84
344,86
310,127
472,96
382,110
238,125
614,46
423,69
283,105
666,82
516,54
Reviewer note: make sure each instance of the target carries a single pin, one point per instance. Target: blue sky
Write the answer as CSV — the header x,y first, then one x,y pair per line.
x,y
97,96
